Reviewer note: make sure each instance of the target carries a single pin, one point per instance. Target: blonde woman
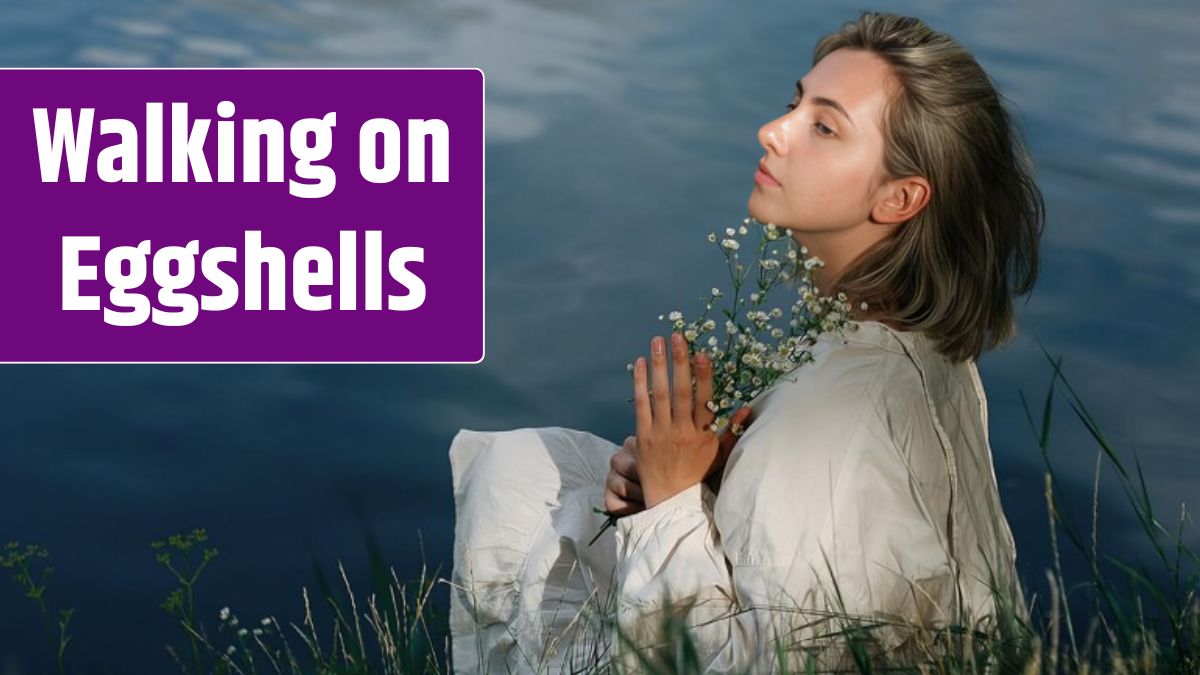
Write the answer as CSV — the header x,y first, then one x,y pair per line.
x,y
864,485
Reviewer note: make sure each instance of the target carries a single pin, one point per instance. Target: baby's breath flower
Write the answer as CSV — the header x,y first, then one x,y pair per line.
x,y
756,352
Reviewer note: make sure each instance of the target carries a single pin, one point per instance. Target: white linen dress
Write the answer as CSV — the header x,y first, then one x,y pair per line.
x,y
870,465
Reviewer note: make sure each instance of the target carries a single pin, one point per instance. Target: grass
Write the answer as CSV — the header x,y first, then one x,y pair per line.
x,y
1143,627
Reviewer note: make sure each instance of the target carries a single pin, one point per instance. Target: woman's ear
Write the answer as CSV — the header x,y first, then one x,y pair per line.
x,y
902,199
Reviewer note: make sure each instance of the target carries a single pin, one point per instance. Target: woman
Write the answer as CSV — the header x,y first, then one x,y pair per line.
x,y
864,485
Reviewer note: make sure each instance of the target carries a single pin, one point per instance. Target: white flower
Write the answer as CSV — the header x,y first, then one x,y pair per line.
x,y
730,244
258,631
863,306
712,236
690,335
716,292
729,232
231,650
791,254
675,315
712,341
224,614
754,297
804,250
267,621
242,632
742,230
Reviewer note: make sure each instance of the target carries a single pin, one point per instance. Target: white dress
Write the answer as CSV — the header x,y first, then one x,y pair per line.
x,y
870,465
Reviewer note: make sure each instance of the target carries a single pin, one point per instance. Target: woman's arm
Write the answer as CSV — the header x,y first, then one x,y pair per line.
x,y
818,490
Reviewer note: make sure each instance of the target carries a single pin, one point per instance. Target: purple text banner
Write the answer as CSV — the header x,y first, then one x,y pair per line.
x,y
242,215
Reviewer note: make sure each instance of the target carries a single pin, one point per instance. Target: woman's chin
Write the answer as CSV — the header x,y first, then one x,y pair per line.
x,y
754,208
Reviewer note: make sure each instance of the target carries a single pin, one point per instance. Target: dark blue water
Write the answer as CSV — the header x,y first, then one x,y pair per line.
x,y
619,134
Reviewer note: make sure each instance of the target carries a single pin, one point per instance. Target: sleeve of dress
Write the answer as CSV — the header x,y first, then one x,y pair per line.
x,y
808,499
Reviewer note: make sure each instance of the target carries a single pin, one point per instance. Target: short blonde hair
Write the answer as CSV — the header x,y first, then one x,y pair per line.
x,y
952,268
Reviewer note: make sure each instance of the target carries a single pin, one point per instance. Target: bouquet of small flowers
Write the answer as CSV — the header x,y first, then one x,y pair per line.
x,y
755,349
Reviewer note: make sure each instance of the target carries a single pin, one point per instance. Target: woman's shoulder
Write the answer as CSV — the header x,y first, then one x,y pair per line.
x,y
868,363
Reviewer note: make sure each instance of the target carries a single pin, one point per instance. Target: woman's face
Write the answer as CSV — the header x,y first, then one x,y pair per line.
x,y
821,161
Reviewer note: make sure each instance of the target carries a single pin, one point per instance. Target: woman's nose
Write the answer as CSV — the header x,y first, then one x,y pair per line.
x,y
772,136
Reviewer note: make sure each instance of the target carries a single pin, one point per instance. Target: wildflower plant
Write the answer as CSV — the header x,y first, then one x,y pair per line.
x,y
178,553
757,347
30,569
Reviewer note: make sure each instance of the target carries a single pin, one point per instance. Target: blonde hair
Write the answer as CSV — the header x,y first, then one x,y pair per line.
x,y
948,270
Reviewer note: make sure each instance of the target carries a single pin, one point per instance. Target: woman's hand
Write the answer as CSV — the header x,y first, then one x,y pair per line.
x,y
675,447
622,489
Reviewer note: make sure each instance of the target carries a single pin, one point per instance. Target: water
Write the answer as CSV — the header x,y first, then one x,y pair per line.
x,y
618,135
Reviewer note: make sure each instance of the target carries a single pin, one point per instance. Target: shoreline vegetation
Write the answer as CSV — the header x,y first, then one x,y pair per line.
x,y
395,629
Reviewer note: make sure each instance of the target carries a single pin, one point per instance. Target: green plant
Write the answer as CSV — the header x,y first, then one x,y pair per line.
x,y
31,568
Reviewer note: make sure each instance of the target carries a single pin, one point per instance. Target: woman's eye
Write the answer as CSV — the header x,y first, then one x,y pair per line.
x,y
791,106
822,126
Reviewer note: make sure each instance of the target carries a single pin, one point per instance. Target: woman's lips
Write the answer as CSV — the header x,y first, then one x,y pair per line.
x,y
763,177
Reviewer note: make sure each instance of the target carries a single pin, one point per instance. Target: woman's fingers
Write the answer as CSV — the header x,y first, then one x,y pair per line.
x,y
701,415
660,398
624,461
621,507
682,387
624,488
641,399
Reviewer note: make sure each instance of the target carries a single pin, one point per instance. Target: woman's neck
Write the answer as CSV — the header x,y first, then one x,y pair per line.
x,y
837,250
